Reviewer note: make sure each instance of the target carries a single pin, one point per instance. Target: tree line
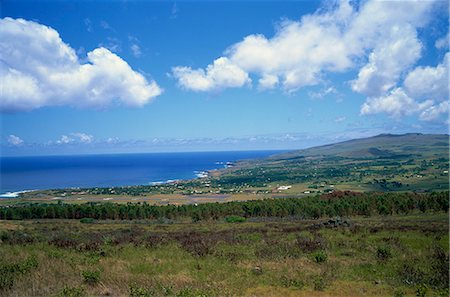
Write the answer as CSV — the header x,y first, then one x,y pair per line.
x,y
338,203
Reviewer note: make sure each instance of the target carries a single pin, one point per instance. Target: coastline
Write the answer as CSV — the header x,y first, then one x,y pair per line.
x,y
14,194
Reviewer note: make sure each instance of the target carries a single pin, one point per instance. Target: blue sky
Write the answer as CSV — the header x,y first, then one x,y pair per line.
x,y
137,76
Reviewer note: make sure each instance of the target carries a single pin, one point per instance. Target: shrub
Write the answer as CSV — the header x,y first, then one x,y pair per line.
x,y
196,243
308,245
235,219
136,291
421,290
274,249
291,282
72,292
384,253
319,283
9,272
87,220
189,292
320,257
91,277
439,277
411,273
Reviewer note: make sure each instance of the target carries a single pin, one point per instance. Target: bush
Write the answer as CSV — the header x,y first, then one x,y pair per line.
x,y
235,219
383,253
439,277
196,243
9,272
399,293
308,245
189,292
87,220
91,277
136,291
320,257
421,290
319,283
72,292
288,282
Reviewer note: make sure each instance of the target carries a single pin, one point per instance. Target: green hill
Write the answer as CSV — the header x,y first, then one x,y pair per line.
x,y
408,162
383,145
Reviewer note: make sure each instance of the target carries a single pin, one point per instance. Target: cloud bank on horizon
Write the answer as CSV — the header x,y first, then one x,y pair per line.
x,y
38,70
337,39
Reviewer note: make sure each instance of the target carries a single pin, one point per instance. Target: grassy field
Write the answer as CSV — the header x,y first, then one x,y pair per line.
x,y
400,255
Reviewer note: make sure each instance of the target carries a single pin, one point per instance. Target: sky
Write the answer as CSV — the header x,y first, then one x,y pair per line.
x,y
87,77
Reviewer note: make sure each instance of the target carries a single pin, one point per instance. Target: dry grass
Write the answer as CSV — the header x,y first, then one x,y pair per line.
x,y
219,259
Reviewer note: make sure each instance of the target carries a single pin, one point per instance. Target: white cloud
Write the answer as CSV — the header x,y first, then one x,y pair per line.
x,y
38,69
390,58
323,93
334,39
105,25
88,24
425,92
83,137
112,140
397,103
77,137
429,82
434,112
340,119
64,140
443,42
113,44
136,50
268,81
174,11
221,74
15,140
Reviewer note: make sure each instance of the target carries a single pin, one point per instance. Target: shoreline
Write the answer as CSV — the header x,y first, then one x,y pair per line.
x,y
197,174
14,194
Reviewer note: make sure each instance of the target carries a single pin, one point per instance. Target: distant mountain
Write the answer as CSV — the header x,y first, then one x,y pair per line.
x,y
383,145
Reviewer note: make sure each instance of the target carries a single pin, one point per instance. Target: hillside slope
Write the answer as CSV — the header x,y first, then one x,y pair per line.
x,y
383,145
409,162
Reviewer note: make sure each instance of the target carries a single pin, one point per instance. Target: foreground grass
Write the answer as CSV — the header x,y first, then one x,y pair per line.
x,y
378,256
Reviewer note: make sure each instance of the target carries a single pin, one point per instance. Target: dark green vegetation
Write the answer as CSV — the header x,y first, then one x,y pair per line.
x,y
399,255
314,207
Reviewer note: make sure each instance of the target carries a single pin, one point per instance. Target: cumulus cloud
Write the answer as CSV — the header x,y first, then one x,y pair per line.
x,y
443,42
221,74
425,92
83,137
391,57
65,139
435,111
396,103
429,82
336,38
268,81
38,69
77,137
15,140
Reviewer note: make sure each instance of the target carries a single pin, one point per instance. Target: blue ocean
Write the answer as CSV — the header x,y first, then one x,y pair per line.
x,y
52,172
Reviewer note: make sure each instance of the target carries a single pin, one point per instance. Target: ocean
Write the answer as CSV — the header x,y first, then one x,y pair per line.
x,y
54,172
